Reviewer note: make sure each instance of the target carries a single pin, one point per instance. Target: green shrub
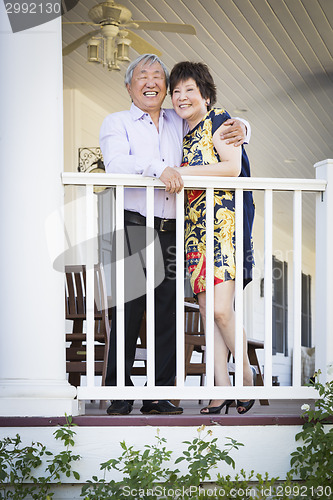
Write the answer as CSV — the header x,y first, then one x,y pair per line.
x,y
19,466
148,474
313,460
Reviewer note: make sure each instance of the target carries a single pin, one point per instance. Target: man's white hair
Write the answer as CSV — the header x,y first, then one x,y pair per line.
x,y
147,59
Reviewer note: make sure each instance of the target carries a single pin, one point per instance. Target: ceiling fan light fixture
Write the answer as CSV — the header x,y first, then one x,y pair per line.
x,y
123,45
110,54
93,50
112,65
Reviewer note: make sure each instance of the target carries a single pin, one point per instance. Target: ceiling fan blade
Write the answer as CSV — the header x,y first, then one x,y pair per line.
x,y
80,22
74,45
188,29
141,46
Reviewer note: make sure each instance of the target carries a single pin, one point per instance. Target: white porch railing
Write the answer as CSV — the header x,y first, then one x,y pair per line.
x,y
209,391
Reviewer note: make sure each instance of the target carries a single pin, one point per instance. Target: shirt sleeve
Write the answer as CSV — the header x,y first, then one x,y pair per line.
x,y
248,129
116,151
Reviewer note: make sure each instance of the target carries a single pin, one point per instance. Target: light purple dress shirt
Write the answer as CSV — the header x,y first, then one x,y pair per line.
x,y
131,144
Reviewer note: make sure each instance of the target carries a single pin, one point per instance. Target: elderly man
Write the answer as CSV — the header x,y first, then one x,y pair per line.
x,y
147,140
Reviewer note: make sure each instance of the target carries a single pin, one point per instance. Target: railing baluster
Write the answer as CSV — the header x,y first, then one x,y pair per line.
x,y
150,303
297,262
113,211
268,286
180,315
120,286
209,327
90,284
239,288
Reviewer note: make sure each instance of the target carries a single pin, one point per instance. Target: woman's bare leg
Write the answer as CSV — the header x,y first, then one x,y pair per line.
x,y
224,315
224,334
221,352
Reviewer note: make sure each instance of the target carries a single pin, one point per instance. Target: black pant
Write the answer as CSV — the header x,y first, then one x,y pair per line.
x,y
135,304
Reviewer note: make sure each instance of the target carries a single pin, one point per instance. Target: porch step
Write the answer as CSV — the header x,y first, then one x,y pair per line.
x,y
279,412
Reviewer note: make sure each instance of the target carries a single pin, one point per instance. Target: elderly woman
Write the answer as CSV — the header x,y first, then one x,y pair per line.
x,y
193,94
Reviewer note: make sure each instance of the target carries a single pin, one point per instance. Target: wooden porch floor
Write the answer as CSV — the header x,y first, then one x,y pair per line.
x,y
278,412
275,407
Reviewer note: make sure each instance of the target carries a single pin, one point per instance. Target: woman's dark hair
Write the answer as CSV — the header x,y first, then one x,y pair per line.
x,y
200,73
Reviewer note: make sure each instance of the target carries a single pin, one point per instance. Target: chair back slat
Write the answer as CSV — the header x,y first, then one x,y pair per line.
x,y
70,295
80,284
76,311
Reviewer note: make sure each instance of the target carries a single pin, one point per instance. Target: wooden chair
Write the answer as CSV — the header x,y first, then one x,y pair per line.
x,y
195,341
76,312
252,345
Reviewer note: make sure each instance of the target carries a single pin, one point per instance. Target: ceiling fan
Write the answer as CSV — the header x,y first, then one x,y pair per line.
x,y
114,34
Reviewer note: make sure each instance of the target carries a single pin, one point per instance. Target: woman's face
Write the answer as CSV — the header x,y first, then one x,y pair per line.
x,y
188,102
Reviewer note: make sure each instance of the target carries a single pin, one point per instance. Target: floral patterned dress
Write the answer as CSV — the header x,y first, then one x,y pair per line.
x,y
198,149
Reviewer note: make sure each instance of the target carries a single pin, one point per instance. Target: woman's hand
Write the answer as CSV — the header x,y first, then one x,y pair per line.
x,y
233,131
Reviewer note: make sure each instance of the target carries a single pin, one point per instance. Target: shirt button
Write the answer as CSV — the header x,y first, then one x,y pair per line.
x,y
151,123
162,159
167,198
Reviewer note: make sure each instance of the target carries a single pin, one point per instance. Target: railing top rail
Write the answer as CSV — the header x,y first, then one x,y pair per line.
x,y
195,182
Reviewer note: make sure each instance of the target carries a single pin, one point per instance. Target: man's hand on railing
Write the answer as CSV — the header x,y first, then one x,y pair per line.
x,y
172,180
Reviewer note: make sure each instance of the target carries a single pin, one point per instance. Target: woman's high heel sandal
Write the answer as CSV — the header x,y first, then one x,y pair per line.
x,y
217,409
245,406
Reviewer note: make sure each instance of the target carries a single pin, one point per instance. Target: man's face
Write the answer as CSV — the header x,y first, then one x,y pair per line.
x,y
148,87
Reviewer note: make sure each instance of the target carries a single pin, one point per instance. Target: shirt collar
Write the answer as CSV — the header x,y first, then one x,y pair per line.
x,y
137,113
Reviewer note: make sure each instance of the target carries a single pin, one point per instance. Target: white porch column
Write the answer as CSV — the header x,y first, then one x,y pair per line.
x,y
324,271
32,354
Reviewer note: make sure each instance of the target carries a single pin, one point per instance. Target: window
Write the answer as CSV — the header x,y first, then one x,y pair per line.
x,y
280,306
306,310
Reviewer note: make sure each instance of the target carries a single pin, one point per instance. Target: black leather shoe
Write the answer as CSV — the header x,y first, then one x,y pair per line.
x,y
163,407
119,407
